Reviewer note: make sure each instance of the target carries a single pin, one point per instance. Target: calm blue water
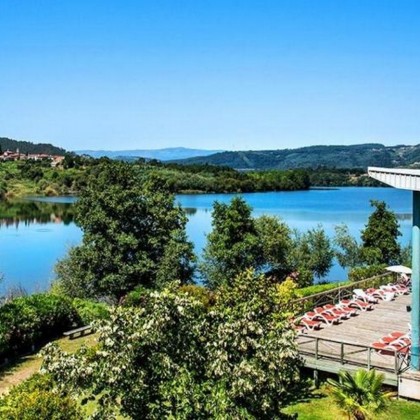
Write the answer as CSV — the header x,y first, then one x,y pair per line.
x,y
29,249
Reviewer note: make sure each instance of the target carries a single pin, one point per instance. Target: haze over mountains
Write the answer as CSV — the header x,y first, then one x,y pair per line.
x,y
171,153
353,156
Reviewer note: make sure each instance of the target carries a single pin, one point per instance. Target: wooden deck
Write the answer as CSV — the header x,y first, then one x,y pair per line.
x,y
348,344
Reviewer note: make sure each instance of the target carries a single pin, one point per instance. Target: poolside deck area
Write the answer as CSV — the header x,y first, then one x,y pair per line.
x,y
348,344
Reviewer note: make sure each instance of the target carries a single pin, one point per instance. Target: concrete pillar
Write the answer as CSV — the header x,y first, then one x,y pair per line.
x,y
415,281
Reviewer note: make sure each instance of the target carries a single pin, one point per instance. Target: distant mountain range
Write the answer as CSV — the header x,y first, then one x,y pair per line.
x,y
29,147
172,153
354,156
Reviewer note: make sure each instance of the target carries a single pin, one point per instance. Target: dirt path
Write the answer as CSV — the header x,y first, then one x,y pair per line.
x,y
28,365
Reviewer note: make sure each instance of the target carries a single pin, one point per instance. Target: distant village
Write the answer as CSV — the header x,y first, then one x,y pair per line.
x,y
9,155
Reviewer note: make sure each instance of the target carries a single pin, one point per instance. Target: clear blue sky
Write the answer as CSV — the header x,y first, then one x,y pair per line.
x,y
210,74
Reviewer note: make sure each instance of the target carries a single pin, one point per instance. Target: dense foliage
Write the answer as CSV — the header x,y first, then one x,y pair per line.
x,y
380,236
239,241
319,288
340,177
29,147
347,249
133,234
207,178
233,245
22,178
366,272
173,358
39,178
312,253
29,321
37,398
337,156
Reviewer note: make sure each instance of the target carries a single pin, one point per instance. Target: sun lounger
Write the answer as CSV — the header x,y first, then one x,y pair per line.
x,y
397,334
337,312
346,309
365,297
381,294
323,317
356,303
390,349
395,288
309,324
402,341
300,329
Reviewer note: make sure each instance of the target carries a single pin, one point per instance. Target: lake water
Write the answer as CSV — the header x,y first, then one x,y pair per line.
x,y
35,233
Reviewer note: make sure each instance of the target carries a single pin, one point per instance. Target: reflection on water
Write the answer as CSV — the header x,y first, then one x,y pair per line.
x,y
190,211
14,213
36,232
33,236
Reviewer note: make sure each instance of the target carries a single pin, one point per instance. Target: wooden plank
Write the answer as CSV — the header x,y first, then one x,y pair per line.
x,y
363,330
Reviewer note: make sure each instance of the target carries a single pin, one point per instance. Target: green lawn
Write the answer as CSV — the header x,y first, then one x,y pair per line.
x,y
321,407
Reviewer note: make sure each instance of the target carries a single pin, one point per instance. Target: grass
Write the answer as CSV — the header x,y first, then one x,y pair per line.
x,y
320,406
26,366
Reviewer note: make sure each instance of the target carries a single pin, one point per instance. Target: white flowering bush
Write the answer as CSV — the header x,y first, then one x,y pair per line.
x,y
175,358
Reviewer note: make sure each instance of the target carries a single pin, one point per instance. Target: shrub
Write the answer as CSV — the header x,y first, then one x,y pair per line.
x,y
201,293
27,321
362,273
318,288
89,311
172,358
36,398
136,297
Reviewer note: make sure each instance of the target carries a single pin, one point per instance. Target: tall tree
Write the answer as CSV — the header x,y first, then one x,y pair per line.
x,y
233,245
311,253
380,236
347,250
129,228
275,239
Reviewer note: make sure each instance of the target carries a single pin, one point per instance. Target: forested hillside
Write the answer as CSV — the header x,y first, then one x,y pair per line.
x,y
29,147
355,156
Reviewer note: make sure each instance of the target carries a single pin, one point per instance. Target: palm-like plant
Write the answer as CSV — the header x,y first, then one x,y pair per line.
x,y
360,395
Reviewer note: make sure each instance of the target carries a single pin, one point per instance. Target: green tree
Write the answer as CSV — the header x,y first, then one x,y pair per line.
x,y
311,254
361,395
171,357
347,250
233,245
380,236
129,228
275,238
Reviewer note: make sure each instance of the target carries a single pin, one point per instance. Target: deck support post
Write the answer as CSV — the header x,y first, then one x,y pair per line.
x,y
316,378
415,282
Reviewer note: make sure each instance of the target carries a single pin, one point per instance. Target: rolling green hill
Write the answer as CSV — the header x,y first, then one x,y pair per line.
x,y
354,156
28,147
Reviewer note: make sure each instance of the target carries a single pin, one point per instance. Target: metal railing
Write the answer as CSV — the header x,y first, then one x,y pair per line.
x,y
333,296
344,352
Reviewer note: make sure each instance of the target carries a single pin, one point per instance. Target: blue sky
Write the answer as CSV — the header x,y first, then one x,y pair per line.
x,y
210,74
